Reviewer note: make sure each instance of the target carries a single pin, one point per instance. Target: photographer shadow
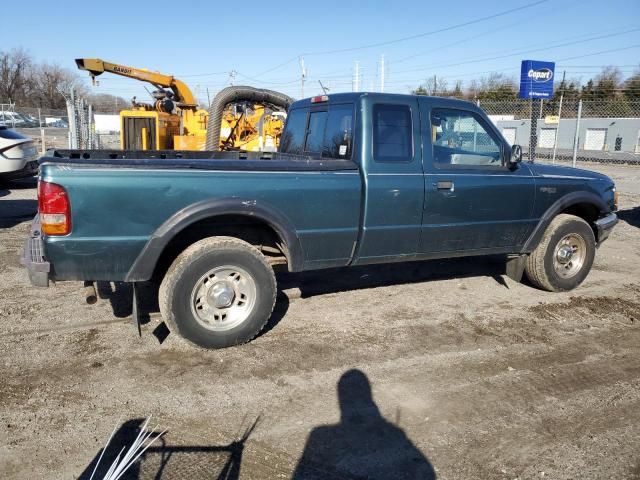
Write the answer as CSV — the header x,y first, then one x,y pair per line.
x,y
363,445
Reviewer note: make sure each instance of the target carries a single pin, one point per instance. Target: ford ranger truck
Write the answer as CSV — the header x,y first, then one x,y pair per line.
x,y
360,178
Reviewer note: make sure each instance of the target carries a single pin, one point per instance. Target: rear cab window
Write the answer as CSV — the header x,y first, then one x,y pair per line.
x,y
293,136
325,132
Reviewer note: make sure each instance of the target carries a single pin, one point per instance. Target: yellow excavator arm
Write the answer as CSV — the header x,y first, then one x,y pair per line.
x,y
162,127
96,67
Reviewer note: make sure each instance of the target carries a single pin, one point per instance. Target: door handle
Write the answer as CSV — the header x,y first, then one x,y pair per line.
x,y
444,185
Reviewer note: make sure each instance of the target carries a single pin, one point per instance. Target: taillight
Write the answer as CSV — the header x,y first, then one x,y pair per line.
x,y
320,99
54,209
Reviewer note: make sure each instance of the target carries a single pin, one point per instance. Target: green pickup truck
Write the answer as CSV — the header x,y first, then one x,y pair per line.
x,y
360,178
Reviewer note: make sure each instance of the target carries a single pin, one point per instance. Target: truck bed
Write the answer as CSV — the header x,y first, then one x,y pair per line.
x,y
208,160
317,201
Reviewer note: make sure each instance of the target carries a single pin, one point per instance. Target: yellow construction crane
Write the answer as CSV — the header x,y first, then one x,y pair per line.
x,y
174,121
245,118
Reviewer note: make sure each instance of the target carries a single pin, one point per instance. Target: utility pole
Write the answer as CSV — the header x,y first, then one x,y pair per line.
x,y
576,134
302,76
381,73
232,77
555,142
356,77
435,85
42,147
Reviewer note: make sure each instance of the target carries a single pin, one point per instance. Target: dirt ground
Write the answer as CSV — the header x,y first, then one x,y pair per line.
x,y
442,369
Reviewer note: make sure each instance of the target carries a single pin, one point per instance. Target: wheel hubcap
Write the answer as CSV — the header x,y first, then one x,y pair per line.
x,y
223,297
564,254
570,254
222,294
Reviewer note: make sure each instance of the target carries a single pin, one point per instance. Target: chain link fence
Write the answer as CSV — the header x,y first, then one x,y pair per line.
x,y
565,129
570,130
75,127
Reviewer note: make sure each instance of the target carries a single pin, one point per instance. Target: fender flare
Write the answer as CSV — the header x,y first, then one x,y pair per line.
x,y
558,206
145,263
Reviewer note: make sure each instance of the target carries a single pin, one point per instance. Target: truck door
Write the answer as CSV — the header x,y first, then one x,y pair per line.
x,y
393,177
473,200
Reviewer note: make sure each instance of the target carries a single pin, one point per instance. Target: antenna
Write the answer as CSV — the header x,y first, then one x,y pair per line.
x,y
324,89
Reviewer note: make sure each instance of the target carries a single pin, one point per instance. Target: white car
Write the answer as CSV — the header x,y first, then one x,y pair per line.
x,y
18,155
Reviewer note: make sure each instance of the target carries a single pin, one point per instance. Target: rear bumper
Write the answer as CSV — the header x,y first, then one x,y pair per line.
x,y
33,259
605,226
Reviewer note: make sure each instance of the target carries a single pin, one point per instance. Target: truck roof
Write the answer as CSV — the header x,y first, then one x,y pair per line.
x,y
376,96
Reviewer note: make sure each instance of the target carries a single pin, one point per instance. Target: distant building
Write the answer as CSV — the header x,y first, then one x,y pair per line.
x,y
600,134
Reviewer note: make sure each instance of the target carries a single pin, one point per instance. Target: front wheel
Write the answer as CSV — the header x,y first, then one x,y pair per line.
x,y
218,293
564,256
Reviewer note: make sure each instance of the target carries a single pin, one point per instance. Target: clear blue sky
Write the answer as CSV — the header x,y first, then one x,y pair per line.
x,y
201,42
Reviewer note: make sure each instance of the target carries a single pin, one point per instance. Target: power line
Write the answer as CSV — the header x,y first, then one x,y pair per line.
x,y
266,81
404,39
598,66
514,69
432,32
203,74
464,40
575,37
292,59
601,52
546,46
520,52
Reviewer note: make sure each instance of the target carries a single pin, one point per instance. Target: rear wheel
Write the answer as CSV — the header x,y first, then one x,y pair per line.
x,y
564,256
218,293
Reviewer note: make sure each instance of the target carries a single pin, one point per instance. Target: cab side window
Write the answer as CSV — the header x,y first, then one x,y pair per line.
x,y
461,139
392,133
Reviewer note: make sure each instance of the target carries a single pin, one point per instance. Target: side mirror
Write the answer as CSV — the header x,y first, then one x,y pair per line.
x,y
516,155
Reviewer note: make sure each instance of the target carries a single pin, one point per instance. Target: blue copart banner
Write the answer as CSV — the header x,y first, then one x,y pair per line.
x,y
536,79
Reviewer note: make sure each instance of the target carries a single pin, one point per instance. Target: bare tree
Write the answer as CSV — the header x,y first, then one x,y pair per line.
x,y
107,103
607,83
48,80
14,69
496,86
632,87
473,90
432,86
457,90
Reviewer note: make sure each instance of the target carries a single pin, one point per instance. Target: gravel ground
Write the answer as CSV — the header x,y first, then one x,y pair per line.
x,y
440,368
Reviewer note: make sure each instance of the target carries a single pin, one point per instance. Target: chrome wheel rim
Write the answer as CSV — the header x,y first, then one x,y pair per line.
x,y
569,255
223,297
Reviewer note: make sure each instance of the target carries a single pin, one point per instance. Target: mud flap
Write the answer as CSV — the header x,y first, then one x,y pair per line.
x,y
515,267
135,309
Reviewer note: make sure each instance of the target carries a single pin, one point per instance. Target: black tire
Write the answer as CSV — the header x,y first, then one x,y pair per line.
x,y
184,277
540,267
